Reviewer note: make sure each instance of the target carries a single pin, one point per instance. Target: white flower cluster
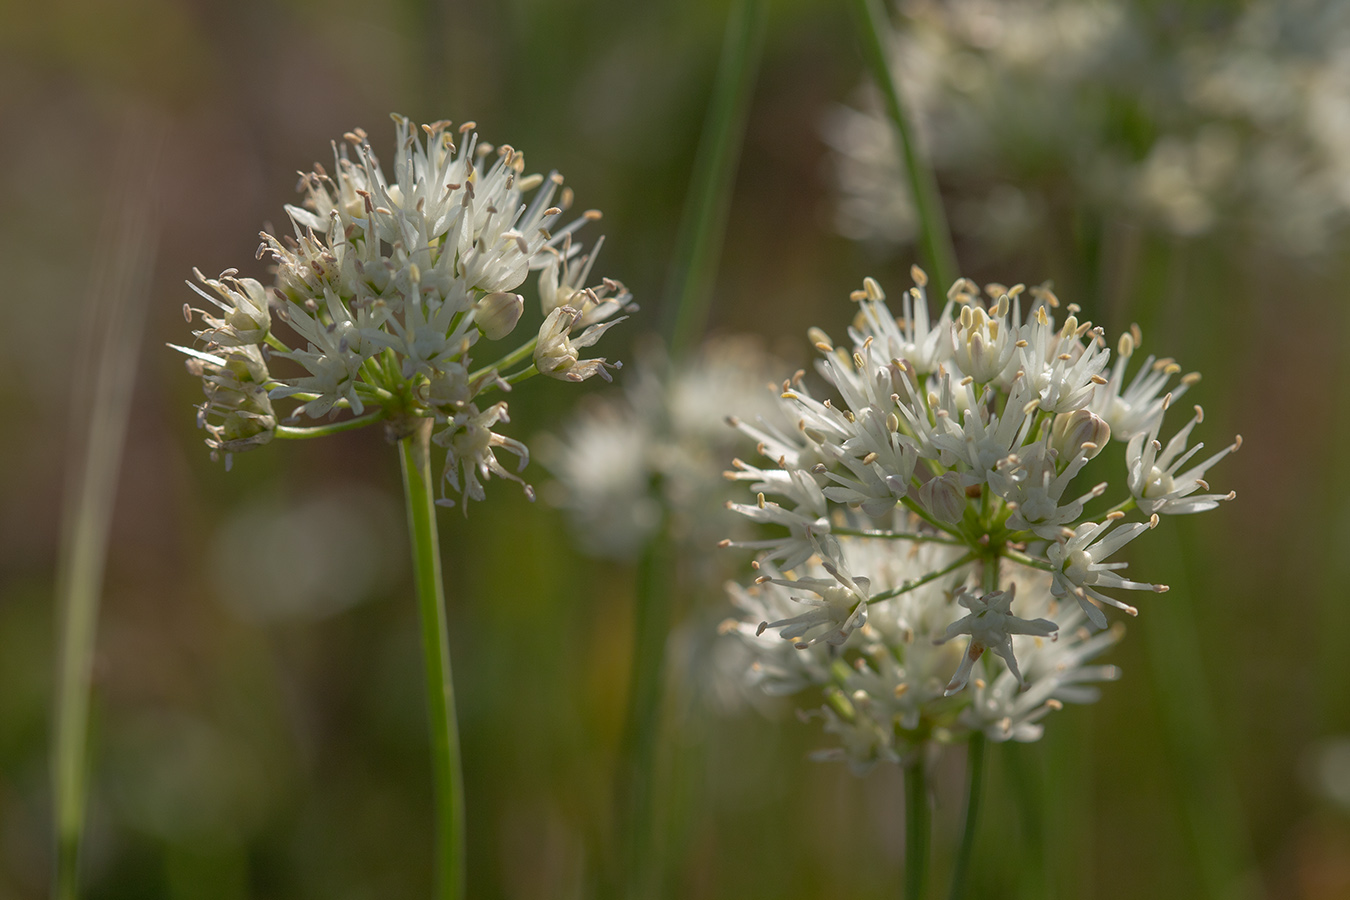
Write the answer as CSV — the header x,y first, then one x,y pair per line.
x,y
626,459
1011,99
388,283
1269,127
1029,104
937,499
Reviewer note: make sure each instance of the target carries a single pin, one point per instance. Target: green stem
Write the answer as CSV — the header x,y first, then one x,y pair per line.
x,y
528,372
874,29
1030,561
975,765
918,825
636,788
687,295
920,582
704,221
291,433
923,514
520,354
896,536
447,774
1123,506
1021,762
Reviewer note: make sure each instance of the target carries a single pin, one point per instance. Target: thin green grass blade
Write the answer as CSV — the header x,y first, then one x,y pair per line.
x,y
874,32
114,317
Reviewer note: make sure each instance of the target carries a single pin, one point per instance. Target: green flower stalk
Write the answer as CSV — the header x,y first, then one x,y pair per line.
x,y
389,287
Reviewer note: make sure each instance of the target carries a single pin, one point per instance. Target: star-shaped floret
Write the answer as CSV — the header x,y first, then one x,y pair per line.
x,y
991,626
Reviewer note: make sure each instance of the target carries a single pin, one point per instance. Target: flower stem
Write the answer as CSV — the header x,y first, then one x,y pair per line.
x,y
637,779
520,354
292,433
920,582
896,536
447,774
918,824
703,224
975,765
1029,561
873,30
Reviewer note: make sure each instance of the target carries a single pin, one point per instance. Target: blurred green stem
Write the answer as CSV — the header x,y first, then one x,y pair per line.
x,y
874,30
1030,803
447,774
638,770
975,765
1210,805
688,297
918,824
703,224
104,379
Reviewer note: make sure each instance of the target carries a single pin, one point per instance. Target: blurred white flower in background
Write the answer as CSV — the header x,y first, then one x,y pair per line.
x,y
662,443
1032,108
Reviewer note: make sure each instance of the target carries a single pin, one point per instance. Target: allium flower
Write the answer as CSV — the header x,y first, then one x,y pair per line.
x,y
922,506
1020,104
388,283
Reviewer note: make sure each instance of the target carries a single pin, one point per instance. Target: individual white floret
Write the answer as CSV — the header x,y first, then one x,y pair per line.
x,y
916,338
247,317
805,526
472,446
1032,484
990,625
1155,476
558,355
842,607
983,343
1079,567
984,438
1130,410
1062,370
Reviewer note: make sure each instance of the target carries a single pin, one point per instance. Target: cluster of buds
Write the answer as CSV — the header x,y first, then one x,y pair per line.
x,y
938,497
387,285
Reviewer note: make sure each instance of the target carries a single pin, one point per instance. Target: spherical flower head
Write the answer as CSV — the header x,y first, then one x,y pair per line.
x,y
393,279
657,445
924,483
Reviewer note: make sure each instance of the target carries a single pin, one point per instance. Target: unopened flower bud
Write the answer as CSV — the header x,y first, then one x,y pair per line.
x,y
1081,431
497,314
943,497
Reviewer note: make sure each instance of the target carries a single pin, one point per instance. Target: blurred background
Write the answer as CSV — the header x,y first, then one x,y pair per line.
x,y
258,724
